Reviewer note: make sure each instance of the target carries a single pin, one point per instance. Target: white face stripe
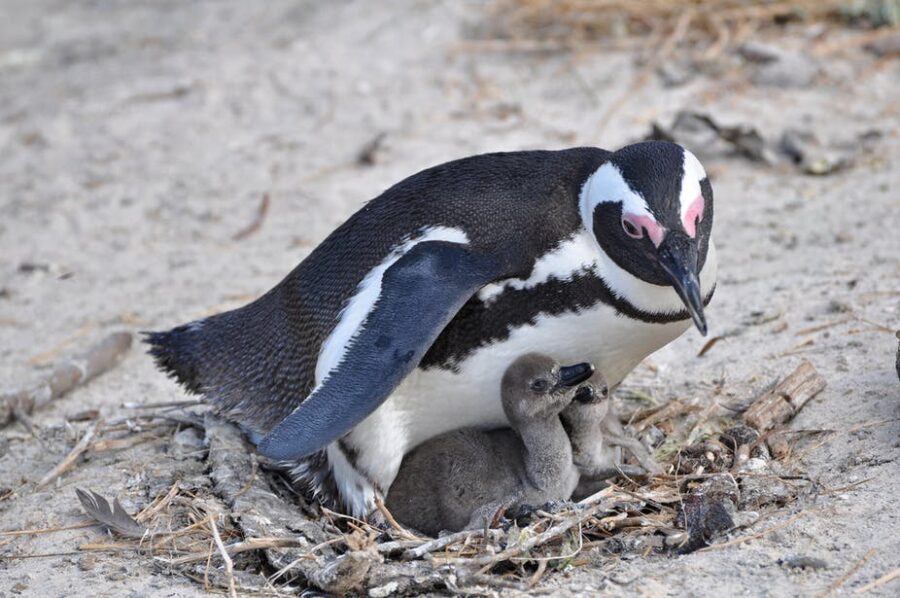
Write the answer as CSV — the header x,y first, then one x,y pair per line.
x,y
607,185
357,309
570,257
693,173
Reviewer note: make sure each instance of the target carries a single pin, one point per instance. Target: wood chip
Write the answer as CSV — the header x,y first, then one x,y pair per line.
x,y
787,398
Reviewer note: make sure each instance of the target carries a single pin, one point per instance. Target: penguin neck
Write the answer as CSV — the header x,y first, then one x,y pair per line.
x,y
548,451
582,424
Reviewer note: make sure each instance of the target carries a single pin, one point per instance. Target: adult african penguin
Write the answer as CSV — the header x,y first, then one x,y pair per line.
x,y
399,325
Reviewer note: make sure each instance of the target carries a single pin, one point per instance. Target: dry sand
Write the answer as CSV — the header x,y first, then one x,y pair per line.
x,y
137,138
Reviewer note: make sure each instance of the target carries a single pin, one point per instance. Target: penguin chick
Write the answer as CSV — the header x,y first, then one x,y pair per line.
x,y
461,478
597,438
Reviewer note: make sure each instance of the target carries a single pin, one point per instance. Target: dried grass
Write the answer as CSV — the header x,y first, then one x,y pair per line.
x,y
707,26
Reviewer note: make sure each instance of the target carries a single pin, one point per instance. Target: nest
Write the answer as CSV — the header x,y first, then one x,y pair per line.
x,y
242,528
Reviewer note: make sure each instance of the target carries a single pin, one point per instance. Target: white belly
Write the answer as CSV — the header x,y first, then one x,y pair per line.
x,y
435,401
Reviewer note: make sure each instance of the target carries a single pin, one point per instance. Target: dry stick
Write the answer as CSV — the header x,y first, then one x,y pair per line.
x,y
756,536
239,547
404,533
163,405
66,376
155,508
118,444
229,564
47,530
70,459
786,399
444,541
255,225
534,541
850,573
887,578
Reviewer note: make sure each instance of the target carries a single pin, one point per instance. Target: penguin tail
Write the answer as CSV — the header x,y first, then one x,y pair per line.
x,y
251,363
176,352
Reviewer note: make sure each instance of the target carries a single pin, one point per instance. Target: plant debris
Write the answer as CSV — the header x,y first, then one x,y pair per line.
x,y
245,530
65,376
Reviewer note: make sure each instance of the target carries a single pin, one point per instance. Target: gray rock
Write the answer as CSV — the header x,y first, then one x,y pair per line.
x,y
777,67
791,70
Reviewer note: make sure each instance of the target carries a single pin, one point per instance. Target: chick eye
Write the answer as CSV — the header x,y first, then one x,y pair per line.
x,y
540,385
631,230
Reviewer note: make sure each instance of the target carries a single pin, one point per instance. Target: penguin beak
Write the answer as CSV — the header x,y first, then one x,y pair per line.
x,y
678,257
588,395
573,375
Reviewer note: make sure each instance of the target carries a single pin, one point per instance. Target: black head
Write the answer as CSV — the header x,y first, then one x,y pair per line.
x,y
650,207
536,385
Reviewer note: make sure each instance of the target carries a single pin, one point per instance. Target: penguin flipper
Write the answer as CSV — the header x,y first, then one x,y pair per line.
x,y
420,293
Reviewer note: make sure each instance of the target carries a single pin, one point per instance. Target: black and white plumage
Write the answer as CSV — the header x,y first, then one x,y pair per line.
x,y
399,325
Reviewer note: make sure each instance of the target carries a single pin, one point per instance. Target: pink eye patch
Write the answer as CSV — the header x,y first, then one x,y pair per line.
x,y
693,215
640,224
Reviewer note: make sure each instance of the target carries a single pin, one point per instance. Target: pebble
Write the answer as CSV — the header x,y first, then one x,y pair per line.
x,y
777,67
802,562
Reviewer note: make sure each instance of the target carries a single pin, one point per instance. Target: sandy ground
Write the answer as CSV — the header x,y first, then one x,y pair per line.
x,y
137,138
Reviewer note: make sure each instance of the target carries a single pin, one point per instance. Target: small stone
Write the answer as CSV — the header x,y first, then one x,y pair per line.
x,y
790,70
885,46
843,237
802,562
87,562
187,444
759,52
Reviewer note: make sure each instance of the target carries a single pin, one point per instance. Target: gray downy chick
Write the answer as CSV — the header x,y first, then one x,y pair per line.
x,y
597,438
461,479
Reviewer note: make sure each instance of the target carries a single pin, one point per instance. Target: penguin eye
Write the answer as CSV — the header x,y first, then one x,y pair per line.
x,y
631,230
540,385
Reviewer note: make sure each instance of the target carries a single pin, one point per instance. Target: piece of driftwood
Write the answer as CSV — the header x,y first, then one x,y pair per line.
x,y
65,376
787,398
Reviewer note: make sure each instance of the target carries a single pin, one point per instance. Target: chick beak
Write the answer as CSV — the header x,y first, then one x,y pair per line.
x,y
573,375
678,257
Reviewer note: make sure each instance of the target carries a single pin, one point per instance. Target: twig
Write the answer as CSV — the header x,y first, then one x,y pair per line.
x,y
887,578
65,376
756,536
256,224
444,541
850,573
73,456
404,533
47,530
158,506
534,579
229,564
239,547
117,444
537,540
163,405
